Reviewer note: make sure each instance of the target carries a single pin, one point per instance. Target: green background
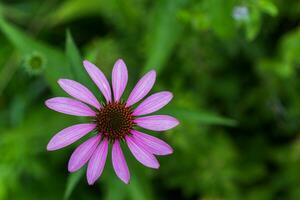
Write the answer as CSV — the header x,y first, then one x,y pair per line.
x,y
233,67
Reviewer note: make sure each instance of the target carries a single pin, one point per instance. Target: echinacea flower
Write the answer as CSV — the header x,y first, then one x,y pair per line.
x,y
113,121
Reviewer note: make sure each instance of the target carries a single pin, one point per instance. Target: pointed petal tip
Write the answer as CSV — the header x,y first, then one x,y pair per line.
x,y
120,60
176,122
86,62
171,151
126,181
71,169
90,181
170,94
61,80
50,147
154,166
152,72
48,103
120,63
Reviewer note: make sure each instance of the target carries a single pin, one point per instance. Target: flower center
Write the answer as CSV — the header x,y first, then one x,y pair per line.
x,y
114,120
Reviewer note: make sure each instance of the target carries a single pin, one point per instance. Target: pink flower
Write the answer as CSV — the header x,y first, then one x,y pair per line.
x,y
113,121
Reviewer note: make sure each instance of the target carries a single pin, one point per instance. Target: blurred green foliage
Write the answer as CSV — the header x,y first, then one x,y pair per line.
x,y
233,67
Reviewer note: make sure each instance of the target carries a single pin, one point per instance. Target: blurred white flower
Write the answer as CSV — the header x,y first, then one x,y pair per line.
x,y
240,13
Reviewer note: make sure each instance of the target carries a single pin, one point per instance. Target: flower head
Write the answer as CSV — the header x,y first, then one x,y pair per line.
x,y
114,122
35,63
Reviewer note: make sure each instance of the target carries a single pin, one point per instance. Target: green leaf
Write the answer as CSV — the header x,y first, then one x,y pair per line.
x,y
139,188
17,14
56,65
116,189
201,117
268,7
72,182
220,15
164,32
253,24
72,9
75,59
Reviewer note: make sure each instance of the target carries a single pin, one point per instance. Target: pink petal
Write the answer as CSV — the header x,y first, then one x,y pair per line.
x,y
119,162
97,162
119,79
142,88
99,79
153,103
69,135
152,144
142,155
79,92
83,153
69,106
157,122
